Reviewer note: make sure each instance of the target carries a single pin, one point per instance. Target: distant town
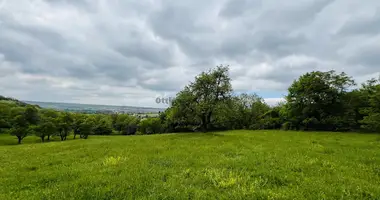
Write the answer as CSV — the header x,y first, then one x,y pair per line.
x,y
105,109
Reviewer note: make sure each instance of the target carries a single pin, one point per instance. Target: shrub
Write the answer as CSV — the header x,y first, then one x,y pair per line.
x,y
151,126
286,126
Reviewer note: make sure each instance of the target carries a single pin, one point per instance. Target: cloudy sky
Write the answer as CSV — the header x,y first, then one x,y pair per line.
x,y
128,52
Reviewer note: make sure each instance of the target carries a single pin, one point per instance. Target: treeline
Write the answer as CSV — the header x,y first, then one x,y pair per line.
x,y
316,101
22,120
323,101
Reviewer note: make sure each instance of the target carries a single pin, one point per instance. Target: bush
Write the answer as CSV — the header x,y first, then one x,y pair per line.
x,y
151,126
129,130
103,125
286,126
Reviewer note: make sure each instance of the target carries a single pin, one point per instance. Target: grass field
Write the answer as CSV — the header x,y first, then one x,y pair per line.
x,y
223,165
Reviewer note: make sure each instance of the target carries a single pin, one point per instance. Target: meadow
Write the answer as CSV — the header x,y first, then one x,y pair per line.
x,y
220,165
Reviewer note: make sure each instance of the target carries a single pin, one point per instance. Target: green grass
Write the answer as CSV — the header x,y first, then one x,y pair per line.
x,y
223,165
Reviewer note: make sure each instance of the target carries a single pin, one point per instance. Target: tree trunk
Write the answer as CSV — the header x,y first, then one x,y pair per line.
x,y
43,138
19,139
48,138
208,120
204,124
62,137
75,135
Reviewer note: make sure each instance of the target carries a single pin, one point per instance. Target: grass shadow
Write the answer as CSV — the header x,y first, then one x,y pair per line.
x,y
8,140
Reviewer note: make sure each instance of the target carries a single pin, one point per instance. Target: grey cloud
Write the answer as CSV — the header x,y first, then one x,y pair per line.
x,y
366,25
288,16
104,51
278,43
367,56
235,8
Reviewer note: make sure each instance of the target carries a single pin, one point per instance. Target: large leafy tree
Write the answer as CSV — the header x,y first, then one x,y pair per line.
x,y
316,100
371,112
196,105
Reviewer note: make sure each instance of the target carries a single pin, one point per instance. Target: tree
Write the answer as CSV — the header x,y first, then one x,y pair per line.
x,y
22,119
126,124
130,126
45,128
86,128
78,119
121,122
316,100
103,124
5,116
31,115
150,126
169,122
197,103
371,119
50,116
251,108
65,122
182,115
20,128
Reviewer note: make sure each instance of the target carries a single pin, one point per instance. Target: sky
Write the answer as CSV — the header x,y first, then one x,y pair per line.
x,y
129,52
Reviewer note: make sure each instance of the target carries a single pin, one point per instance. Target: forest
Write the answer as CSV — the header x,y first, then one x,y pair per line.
x,y
316,101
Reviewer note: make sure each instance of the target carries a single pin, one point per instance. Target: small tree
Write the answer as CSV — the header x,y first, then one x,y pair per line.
x,y
65,122
22,120
78,120
150,126
103,125
86,128
50,115
20,128
44,129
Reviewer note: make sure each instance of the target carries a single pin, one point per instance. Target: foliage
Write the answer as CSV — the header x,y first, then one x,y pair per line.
x,y
150,126
86,128
102,124
371,120
65,123
5,117
315,100
197,103
46,128
126,124
23,118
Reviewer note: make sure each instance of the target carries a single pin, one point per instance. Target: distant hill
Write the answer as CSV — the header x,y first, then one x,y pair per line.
x,y
91,108
86,108
15,101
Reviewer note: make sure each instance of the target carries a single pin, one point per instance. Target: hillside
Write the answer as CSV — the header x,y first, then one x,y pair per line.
x,y
10,100
223,165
